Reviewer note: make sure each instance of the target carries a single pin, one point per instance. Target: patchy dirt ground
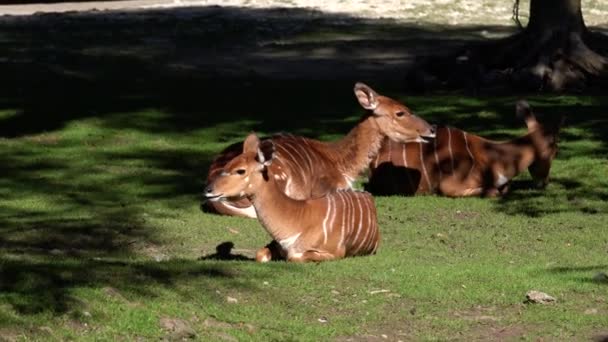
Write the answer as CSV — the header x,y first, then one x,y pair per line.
x,y
277,39
450,12
217,42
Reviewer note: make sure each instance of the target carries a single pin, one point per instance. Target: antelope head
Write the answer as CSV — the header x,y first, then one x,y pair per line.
x,y
544,138
395,120
243,175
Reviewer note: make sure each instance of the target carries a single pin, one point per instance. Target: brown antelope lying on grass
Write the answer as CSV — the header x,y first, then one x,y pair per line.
x,y
341,223
458,163
308,168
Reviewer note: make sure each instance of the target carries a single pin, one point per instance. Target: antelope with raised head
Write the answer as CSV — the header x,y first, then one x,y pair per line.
x,y
458,163
307,168
339,224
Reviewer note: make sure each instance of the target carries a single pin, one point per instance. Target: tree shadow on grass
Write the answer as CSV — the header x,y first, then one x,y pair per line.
x,y
204,66
44,286
594,274
70,221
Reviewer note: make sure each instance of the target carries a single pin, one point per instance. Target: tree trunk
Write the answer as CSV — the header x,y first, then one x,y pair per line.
x,y
556,15
559,57
550,53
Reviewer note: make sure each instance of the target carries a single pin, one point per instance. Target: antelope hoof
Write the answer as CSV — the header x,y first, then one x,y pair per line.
x,y
263,255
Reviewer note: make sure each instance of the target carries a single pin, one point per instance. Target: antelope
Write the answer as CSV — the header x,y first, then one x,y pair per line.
x,y
307,168
459,164
339,224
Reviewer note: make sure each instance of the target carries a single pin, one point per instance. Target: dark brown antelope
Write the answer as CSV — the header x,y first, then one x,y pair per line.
x,y
339,224
306,168
458,163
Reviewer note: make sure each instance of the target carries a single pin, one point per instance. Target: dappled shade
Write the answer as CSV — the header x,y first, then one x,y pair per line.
x,y
178,74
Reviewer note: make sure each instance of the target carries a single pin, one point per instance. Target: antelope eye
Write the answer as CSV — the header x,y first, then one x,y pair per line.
x,y
400,114
240,171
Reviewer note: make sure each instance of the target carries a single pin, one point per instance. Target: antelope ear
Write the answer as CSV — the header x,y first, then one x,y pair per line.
x,y
367,97
266,152
523,110
251,143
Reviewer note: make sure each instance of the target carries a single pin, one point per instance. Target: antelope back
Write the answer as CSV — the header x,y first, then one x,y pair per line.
x,y
412,168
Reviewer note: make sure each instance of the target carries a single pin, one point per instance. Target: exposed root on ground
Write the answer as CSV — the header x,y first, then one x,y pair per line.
x,y
532,61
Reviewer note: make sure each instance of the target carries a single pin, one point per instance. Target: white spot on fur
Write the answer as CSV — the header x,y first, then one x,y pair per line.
x,y
349,180
286,243
296,255
472,191
288,191
248,211
265,258
420,140
276,177
501,180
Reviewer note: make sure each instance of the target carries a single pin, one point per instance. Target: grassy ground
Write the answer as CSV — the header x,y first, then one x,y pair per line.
x,y
102,238
107,127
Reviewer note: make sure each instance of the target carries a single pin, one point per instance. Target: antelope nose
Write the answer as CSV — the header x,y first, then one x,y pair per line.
x,y
208,190
433,129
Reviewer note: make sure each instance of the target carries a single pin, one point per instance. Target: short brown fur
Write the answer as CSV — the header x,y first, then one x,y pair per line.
x,y
334,226
459,164
307,168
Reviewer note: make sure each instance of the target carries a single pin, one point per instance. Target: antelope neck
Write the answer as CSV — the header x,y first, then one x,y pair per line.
x,y
276,211
355,151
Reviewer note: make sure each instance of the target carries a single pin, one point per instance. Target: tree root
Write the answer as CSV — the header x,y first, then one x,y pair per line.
x,y
556,60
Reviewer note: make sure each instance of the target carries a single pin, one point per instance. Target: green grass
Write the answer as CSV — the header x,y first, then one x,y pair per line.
x,y
101,234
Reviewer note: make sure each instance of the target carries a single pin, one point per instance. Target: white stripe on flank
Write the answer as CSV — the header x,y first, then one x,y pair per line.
x,y
450,147
340,206
293,160
404,154
344,207
426,175
466,144
373,224
325,219
330,224
360,217
297,151
367,229
348,214
437,158
306,151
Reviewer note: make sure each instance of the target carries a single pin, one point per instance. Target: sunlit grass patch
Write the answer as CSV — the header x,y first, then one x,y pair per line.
x,y
102,237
